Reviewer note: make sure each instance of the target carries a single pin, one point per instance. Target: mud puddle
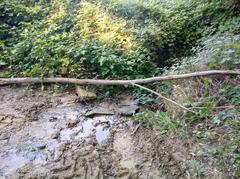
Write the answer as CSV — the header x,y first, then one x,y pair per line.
x,y
46,136
37,141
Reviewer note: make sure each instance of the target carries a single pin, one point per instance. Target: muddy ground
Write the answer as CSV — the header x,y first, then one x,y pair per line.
x,y
43,135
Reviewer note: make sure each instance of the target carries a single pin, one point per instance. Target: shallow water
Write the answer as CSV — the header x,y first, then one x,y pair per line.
x,y
43,136
88,128
33,142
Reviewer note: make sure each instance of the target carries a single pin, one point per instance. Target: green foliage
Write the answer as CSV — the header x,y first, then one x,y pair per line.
x,y
231,93
78,40
159,120
107,38
225,116
170,29
214,127
196,170
218,52
234,145
15,13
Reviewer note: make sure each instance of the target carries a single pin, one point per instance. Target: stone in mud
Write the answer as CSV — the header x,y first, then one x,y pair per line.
x,y
72,123
127,107
99,111
53,119
127,110
123,108
41,146
130,124
56,135
124,173
85,93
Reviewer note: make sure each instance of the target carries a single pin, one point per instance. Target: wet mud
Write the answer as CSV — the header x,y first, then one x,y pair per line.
x,y
50,136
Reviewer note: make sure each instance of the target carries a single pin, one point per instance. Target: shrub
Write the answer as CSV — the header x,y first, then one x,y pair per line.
x,y
169,29
79,41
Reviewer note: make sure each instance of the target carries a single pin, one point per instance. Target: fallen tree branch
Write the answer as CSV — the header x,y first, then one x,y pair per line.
x,y
7,81
217,107
163,97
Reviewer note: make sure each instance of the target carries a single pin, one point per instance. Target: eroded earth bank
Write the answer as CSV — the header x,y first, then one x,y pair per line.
x,y
43,135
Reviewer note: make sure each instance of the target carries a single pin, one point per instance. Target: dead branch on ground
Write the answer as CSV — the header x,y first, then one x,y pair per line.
x,y
7,81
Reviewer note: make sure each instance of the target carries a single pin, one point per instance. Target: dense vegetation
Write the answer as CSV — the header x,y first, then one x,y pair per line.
x,y
106,39
127,39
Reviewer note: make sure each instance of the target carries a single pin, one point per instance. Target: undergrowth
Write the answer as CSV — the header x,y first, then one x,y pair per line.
x,y
114,39
213,128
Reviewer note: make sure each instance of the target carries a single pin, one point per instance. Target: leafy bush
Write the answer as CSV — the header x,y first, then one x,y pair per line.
x,y
217,52
159,120
215,122
79,41
107,38
170,29
15,13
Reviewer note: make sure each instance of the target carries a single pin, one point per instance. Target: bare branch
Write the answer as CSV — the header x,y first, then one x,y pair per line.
x,y
7,81
163,97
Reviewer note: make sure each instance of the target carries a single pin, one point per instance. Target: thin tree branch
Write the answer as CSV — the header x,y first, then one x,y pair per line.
x,y
163,97
7,81
217,107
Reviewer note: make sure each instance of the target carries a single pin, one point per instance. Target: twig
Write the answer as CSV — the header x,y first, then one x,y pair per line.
x,y
217,107
163,97
136,129
7,81
225,107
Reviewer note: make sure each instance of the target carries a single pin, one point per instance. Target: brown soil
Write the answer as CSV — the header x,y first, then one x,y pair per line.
x,y
47,136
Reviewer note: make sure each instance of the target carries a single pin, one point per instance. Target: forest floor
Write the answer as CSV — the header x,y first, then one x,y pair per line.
x,y
49,136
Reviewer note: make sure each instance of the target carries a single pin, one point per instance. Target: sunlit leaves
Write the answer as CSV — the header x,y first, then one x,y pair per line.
x,y
95,23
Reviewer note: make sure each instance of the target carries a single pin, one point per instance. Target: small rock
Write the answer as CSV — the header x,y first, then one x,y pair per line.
x,y
124,109
41,146
60,168
53,119
127,110
124,173
55,135
72,123
99,111
103,123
